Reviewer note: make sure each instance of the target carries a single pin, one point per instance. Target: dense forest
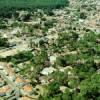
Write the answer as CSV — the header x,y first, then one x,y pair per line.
x,y
25,4
10,6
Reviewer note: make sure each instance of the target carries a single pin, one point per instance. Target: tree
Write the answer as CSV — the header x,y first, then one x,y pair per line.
x,y
90,88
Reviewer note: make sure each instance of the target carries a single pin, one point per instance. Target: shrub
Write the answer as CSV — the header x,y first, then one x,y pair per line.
x,y
20,57
3,42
